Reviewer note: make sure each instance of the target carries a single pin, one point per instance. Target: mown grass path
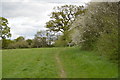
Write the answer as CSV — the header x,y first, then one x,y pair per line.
x,y
62,73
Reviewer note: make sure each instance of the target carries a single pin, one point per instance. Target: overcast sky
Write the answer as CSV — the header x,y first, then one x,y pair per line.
x,y
26,17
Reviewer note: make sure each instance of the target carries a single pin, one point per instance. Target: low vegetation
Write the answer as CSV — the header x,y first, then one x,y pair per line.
x,y
41,63
0,64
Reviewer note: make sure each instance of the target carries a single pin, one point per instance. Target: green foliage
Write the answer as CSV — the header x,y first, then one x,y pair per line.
x,y
98,28
39,42
63,40
20,44
40,39
109,32
61,19
101,18
107,45
20,38
0,44
4,29
63,16
6,43
30,42
50,37
90,40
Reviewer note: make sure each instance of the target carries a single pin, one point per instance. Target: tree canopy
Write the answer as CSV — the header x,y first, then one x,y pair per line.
x,y
63,16
4,29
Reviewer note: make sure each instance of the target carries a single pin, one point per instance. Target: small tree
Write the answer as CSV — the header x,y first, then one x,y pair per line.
x,y
40,39
4,29
51,36
30,42
4,32
20,38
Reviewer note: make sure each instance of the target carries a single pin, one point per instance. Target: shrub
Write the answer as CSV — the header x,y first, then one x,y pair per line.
x,y
107,46
20,44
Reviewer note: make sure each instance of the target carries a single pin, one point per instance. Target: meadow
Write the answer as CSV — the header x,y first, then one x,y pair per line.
x,y
56,63
0,64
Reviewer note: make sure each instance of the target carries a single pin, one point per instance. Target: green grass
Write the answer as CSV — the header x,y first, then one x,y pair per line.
x,y
84,64
0,64
41,63
29,63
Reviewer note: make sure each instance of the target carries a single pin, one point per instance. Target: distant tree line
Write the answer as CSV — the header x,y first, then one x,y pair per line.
x,y
41,39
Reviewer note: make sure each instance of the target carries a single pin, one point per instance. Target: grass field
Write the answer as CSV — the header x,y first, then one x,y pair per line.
x,y
55,63
0,64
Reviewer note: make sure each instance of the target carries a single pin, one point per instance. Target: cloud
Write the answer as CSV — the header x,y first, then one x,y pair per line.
x,y
52,1
26,17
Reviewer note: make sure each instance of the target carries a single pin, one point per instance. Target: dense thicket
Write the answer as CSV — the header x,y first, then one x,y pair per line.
x,y
98,29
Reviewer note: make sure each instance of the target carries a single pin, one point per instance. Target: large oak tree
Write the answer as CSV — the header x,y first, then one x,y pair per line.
x,y
63,16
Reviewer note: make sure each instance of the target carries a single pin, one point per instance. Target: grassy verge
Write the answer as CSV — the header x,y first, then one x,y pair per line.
x,y
0,64
84,64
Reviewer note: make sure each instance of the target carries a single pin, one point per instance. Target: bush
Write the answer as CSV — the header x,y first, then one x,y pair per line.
x,y
107,46
20,44
5,43
61,42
